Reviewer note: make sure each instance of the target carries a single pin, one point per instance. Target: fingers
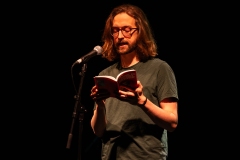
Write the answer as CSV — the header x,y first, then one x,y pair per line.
x,y
128,97
131,96
97,95
126,93
94,89
124,88
139,89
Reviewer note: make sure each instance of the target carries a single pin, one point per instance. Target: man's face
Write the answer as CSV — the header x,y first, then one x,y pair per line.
x,y
124,41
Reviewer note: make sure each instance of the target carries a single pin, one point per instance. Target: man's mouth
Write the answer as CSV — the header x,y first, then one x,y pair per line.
x,y
122,44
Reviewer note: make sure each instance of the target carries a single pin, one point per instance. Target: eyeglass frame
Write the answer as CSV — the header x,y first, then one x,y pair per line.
x,y
123,31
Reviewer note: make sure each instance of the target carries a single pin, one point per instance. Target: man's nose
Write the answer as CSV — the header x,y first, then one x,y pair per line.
x,y
120,34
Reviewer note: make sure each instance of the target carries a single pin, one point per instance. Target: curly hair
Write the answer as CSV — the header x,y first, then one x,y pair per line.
x,y
146,46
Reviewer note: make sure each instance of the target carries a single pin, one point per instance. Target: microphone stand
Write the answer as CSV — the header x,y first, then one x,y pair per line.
x,y
78,112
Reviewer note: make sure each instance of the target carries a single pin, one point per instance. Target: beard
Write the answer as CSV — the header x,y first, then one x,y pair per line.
x,y
127,49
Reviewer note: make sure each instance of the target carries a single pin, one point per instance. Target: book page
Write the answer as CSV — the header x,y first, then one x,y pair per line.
x,y
124,72
107,84
110,77
127,80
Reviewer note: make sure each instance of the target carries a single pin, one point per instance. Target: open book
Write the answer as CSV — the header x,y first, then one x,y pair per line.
x,y
126,80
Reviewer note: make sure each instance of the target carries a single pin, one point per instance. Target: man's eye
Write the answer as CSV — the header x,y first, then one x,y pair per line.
x,y
127,29
115,30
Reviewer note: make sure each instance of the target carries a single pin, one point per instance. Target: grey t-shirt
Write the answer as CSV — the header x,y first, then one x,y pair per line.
x,y
130,133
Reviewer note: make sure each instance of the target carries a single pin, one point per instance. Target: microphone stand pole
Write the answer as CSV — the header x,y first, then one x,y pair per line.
x,y
78,112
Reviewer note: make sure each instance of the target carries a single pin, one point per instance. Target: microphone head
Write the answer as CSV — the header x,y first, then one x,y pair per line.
x,y
98,49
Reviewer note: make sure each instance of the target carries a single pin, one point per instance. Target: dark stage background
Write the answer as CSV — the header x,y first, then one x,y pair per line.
x,y
56,34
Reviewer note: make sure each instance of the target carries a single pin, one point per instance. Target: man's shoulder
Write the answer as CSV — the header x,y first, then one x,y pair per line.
x,y
109,68
155,61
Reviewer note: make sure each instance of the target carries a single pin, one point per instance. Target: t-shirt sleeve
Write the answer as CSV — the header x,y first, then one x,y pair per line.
x,y
167,85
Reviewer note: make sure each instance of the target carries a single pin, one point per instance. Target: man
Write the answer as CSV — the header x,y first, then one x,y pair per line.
x,y
134,125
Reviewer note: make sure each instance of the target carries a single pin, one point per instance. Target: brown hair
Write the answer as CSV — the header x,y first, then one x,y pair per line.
x,y
146,45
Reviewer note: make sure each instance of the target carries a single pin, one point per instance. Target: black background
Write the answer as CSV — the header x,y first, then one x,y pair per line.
x,y
51,36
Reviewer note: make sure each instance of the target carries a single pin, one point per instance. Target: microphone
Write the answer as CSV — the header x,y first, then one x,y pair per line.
x,y
97,50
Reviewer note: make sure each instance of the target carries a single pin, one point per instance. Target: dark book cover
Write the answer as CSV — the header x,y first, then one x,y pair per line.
x,y
126,80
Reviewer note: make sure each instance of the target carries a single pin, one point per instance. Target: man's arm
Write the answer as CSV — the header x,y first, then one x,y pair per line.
x,y
98,121
165,116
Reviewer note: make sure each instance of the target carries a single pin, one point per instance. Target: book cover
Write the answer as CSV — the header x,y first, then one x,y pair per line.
x,y
126,80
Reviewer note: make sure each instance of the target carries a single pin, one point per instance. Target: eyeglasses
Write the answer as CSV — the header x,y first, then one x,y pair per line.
x,y
126,31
